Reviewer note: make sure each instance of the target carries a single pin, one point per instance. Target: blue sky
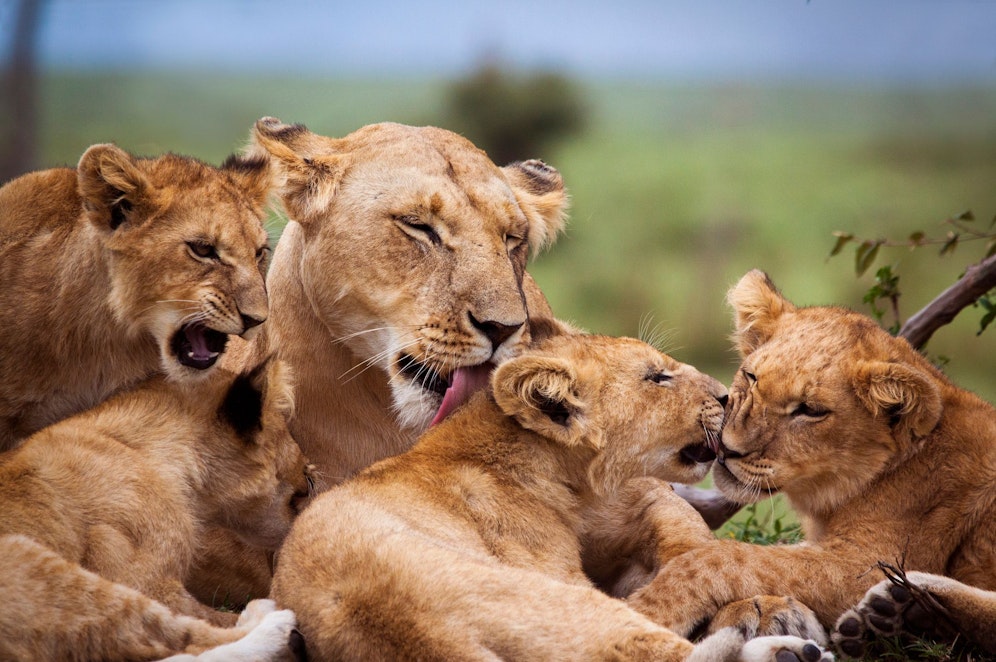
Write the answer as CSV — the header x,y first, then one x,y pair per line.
x,y
924,40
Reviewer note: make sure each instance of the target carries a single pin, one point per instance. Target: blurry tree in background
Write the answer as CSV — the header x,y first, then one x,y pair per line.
x,y
514,117
975,287
18,94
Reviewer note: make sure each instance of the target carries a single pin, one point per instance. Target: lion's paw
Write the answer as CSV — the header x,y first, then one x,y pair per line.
x,y
254,612
887,610
275,638
730,645
768,615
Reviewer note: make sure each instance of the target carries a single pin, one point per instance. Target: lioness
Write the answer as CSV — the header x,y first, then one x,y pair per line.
x,y
102,514
467,546
121,268
399,280
880,455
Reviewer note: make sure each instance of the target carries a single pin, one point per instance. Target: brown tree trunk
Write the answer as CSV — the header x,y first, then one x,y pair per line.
x,y
978,279
18,95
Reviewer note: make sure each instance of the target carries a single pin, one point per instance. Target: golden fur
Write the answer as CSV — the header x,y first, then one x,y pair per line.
x,y
403,260
405,248
102,514
468,545
114,270
880,455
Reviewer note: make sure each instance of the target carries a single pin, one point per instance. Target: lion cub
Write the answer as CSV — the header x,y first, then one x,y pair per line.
x,y
119,269
468,545
102,511
882,457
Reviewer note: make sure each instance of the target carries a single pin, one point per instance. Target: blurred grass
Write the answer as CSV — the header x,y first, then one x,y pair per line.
x,y
678,189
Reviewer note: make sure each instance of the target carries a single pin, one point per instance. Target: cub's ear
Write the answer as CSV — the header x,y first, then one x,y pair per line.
x,y
306,167
111,185
252,174
540,191
541,394
757,305
907,396
268,385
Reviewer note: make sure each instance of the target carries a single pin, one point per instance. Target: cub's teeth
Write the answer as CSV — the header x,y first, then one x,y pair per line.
x,y
213,354
190,355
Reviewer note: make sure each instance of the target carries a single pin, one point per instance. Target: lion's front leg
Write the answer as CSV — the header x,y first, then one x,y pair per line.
x,y
631,533
920,604
689,591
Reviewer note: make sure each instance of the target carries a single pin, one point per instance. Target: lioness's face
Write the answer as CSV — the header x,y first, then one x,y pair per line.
x,y
417,259
187,251
823,402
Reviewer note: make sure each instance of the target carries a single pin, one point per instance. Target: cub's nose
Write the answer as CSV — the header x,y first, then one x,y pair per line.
x,y
724,452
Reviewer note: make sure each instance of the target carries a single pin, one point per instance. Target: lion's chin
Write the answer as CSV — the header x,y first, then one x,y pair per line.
x,y
423,397
736,490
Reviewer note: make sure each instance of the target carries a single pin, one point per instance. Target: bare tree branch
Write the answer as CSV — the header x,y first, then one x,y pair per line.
x,y
18,92
978,279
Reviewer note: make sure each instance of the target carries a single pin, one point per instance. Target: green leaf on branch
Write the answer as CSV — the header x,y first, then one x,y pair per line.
x,y
865,255
966,216
990,307
950,244
842,239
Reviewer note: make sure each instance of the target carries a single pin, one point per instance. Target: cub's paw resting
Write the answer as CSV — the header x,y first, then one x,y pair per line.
x,y
893,606
274,639
769,615
730,645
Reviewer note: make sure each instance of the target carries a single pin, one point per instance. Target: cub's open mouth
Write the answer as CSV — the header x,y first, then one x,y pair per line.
x,y
456,389
697,453
196,346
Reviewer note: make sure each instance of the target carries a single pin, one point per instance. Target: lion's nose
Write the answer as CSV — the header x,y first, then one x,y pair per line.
x,y
496,332
723,399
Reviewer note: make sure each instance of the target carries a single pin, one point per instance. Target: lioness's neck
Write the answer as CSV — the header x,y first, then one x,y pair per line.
x,y
343,421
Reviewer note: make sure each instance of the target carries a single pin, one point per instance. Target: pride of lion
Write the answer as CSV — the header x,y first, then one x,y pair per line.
x,y
492,479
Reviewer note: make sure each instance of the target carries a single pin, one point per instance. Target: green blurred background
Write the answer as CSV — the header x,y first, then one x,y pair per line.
x,y
711,137
677,188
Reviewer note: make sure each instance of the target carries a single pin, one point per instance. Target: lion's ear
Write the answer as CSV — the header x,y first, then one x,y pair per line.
x,y
542,197
111,185
253,175
541,394
757,305
306,172
907,396
268,384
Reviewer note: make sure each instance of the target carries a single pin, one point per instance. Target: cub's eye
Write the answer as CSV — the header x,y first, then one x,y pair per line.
x,y
415,224
202,250
660,378
749,376
809,411
262,253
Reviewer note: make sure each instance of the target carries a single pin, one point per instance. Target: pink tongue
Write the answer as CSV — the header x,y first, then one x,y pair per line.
x,y
464,382
198,342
